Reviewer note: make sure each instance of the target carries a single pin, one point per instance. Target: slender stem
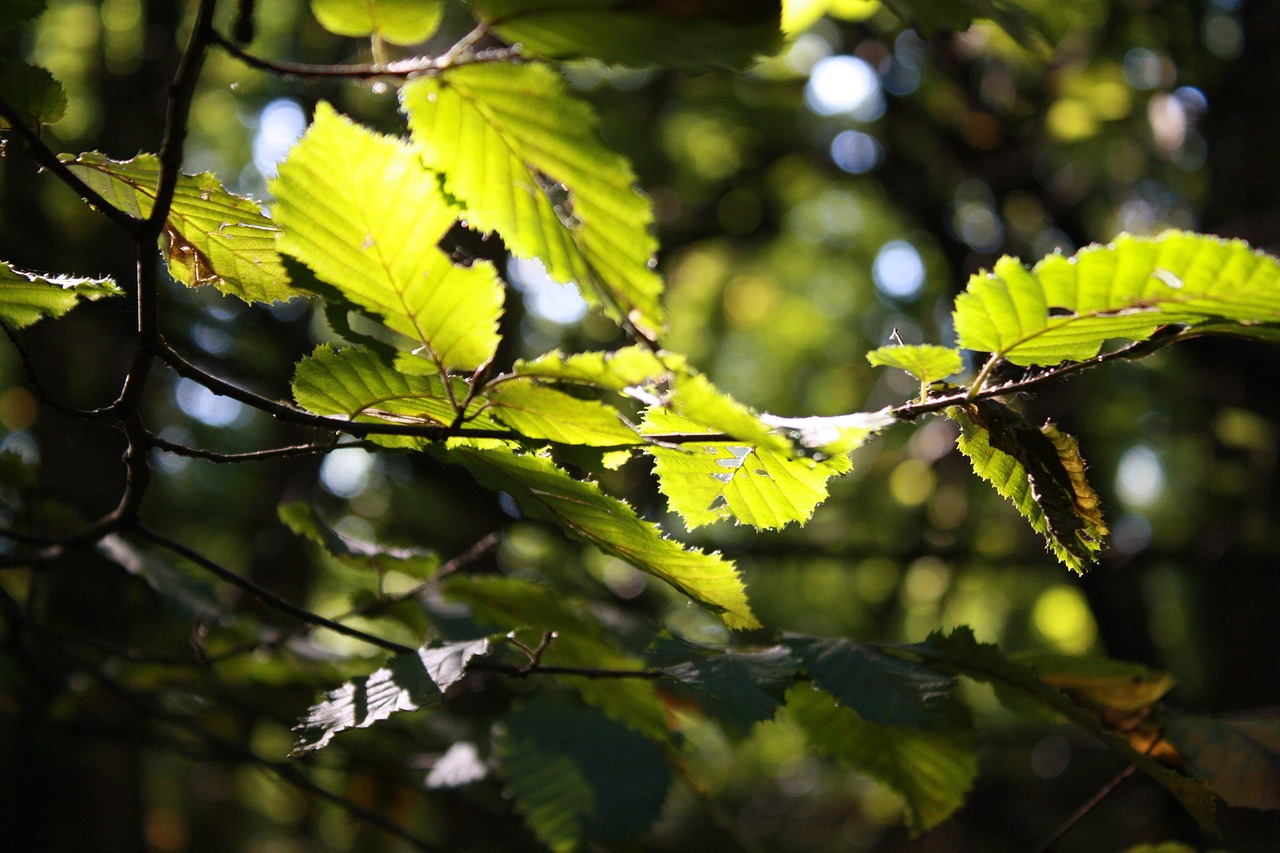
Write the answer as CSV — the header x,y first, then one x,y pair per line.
x,y
269,598
48,159
253,455
1092,803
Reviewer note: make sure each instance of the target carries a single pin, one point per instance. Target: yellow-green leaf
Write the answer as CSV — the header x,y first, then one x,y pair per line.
x,y
359,209
522,156
26,297
397,21
536,411
211,236
926,362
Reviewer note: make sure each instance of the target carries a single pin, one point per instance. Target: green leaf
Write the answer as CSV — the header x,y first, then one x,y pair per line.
x,y
612,371
1041,472
880,687
707,481
536,411
1064,309
1101,684
33,93
1238,756
522,156
510,604
578,777
405,22
695,399
15,13
27,297
584,512
932,771
192,597
359,209
832,434
691,34
301,518
359,385
741,687
211,236
406,683
926,362
963,654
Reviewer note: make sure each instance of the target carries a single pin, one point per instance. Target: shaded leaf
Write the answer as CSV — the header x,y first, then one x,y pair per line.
x,y
963,654
359,209
932,771
194,598
511,604
880,687
926,362
1102,684
406,683
523,157
536,411
301,518
15,13
707,481
1238,755
741,687
26,297
397,21
579,777
1040,471
1064,309
32,92
585,513
688,34
211,236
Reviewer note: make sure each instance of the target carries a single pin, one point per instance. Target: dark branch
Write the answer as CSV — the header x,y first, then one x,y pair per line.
x,y
253,455
48,159
580,671
265,596
33,377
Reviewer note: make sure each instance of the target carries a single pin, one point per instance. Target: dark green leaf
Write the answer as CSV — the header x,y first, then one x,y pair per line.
x,y
579,777
692,33
881,687
741,687
32,92
302,519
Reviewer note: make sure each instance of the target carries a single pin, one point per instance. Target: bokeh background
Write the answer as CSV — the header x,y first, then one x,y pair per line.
x,y
809,208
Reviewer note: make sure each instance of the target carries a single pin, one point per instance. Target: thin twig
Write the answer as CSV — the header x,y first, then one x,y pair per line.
x,y
580,671
46,157
267,597
42,393
1080,813
411,67
253,455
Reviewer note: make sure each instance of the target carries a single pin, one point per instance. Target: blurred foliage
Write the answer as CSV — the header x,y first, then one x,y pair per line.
x,y
829,200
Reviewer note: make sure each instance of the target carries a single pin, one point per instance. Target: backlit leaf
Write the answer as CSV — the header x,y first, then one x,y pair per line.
x,y
926,362
1040,472
1101,683
211,236
612,371
932,771
1064,309
26,297
585,513
361,211
691,33
397,21
536,411
406,683
523,158
578,777
1238,755
359,385
706,480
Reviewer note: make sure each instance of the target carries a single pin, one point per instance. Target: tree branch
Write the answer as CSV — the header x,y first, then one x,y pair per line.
x,y
265,596
253,455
